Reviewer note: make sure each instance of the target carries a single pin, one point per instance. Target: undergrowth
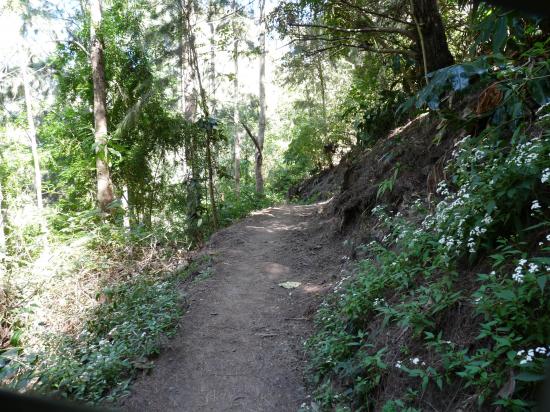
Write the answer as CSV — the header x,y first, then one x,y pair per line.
x,y
451,309
87,321
93,304
118,340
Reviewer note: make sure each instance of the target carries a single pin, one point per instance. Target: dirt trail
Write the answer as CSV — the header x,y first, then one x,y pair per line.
x,y
240,344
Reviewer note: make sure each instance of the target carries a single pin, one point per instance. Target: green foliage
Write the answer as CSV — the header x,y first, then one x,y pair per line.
x,y
481,254
141,125
502,31
373,98
117,341
494,203
387,185
518,83
236,207
119,329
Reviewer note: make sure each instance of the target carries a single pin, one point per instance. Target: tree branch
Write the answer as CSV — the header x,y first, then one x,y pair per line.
x,y
374,13
382,50
76,43
254,140
391,30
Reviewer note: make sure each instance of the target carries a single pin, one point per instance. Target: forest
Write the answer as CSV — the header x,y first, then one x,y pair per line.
x,y
393,156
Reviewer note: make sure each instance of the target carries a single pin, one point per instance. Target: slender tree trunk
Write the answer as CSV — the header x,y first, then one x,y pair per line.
x,y
105,193
323,86
133,210
32,138
182,57
209,130
236,117
126,207
261,117
189,111
2,226
432,42
212,69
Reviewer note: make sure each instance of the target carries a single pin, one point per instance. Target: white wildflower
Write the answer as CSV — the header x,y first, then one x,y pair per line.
x,y
518,272
487,220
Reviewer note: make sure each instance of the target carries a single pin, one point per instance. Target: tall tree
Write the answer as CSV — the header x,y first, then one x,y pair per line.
x,y
188,100
2,226
212,67
105,194
431,35
31,132
207,119
236,116
262,112
411,29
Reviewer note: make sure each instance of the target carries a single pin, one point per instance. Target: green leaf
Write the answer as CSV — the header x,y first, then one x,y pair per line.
x,y
425,381
115,152
529,377
501,34
11,353
16,337
541,281
459,78
506,294
538,91
490,207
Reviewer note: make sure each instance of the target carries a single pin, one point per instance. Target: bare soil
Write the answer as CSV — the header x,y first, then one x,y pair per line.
x,y
240,344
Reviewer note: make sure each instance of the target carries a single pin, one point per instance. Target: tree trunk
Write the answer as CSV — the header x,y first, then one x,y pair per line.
x,y
126,207
432,40
2,226
104,185
32,138
322,85
261,117
182,57
189,111
236,117
209,129
212,69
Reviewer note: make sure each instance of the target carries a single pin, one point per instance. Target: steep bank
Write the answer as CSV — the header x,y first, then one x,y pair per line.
x,y
446,307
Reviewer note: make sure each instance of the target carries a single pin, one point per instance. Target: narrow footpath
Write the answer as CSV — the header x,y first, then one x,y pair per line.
x,y
240,342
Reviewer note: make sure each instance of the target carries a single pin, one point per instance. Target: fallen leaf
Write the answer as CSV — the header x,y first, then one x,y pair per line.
x,y
290,285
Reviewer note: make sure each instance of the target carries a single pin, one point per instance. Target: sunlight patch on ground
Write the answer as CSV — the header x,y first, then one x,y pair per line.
x,y
260,228
312,288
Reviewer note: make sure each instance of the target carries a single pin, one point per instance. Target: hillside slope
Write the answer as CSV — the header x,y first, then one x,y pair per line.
x,y
446,307
394,171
